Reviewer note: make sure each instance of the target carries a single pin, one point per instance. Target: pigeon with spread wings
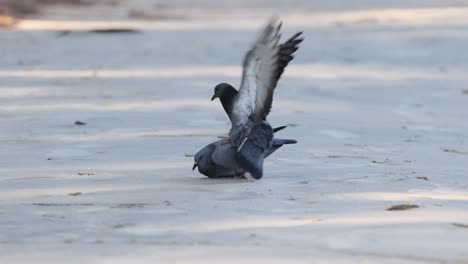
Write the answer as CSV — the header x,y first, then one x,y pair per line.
x,y
248,108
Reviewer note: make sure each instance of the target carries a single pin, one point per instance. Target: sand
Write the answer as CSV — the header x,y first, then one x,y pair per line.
x,y
376,98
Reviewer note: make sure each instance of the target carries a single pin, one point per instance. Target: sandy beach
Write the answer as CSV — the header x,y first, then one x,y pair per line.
x,y
377,98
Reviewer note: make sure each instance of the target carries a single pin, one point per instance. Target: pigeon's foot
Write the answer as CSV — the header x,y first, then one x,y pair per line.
x,y
242,176
227,141
249,176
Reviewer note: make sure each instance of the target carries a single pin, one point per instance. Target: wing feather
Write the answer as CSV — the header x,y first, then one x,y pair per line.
x,y
263,66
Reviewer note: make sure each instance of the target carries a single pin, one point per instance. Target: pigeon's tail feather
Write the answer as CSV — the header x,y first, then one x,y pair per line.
x,y
276,144
280,141
276,129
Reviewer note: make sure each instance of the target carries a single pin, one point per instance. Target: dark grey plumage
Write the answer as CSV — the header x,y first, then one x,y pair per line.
x,y
218,159
248,108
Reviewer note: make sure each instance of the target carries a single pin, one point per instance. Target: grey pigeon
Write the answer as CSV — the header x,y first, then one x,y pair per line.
x,y
248,108
218,159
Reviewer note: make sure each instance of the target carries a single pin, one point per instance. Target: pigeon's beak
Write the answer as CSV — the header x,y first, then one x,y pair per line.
x,y
194,166
214,97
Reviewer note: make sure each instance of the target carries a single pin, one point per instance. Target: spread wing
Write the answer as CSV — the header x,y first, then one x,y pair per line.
x,y
263,66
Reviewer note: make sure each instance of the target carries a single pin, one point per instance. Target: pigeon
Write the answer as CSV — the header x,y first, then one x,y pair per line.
x,y
218,159
248,108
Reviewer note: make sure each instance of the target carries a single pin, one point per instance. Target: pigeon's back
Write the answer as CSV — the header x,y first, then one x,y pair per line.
x,y
218,160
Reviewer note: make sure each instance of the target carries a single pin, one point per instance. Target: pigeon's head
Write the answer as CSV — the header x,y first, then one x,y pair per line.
x,y
203,157
224,90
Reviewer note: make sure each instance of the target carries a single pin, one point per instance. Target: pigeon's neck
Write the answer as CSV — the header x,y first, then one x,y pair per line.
x,y
227,100
227,105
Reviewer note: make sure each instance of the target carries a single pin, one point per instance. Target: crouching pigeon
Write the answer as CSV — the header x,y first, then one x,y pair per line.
x,y
251,135
218,159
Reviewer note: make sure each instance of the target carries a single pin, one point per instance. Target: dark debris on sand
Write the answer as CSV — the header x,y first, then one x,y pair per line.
x,y
80,123
400,207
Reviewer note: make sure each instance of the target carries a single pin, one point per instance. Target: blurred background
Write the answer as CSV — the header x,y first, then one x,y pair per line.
x,y
104,103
